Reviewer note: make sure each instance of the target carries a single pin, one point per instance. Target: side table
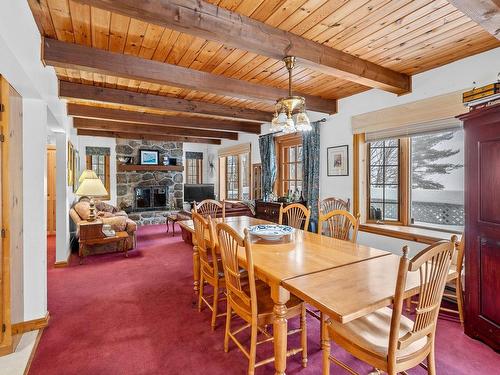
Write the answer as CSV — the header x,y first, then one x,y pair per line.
x,y
172,218
91,235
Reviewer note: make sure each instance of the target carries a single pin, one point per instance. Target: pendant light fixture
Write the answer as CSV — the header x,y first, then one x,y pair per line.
x,y
288,107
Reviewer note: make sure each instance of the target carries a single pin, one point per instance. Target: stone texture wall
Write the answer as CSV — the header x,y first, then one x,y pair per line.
x,y
126,182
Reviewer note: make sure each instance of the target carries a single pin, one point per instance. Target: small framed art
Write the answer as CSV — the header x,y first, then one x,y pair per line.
x,y
338,161
149,157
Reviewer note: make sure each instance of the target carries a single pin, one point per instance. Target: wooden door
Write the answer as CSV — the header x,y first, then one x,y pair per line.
x,y
482,225
11,248
51,189
257,181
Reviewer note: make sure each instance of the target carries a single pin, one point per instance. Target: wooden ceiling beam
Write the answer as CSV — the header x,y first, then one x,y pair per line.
x,y
88,111
131,127
74,56
486,13
211,22
71,90
150,137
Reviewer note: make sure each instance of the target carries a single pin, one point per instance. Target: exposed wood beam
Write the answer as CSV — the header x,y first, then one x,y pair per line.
x,y
130,127
74,56
151,137
210,22
87,111
101,94
486,13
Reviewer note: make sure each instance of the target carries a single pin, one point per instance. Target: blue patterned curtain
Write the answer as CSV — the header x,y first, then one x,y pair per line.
x,y
310,168
268,161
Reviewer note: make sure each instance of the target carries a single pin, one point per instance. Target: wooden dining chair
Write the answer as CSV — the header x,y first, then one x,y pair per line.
x,y
339,224
331,204
386,339
210,266
252,301
457,265
297,215
210,207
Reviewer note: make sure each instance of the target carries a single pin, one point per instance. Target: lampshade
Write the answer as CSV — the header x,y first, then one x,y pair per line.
x,y
92,187
302,122
87,173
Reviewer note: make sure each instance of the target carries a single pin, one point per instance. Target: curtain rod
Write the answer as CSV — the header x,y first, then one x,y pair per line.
x,y
281,131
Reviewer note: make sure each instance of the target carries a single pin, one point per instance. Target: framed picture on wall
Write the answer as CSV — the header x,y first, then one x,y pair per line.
x,y
71,164
337,161
149,157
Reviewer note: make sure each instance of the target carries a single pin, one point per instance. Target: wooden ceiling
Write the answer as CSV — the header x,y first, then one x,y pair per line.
x,y
180,58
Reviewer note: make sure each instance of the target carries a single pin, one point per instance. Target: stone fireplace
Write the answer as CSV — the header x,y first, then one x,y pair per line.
x,y
150,194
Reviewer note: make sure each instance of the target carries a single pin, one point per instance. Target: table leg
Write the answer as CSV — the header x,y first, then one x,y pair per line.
x,y
196,269
173,228
325,345
280,328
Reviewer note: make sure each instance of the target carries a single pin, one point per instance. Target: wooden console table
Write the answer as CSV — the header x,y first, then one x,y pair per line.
x,y
91,235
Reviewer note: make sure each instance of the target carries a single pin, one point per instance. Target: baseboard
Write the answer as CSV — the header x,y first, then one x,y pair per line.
x,y
30,325
63,263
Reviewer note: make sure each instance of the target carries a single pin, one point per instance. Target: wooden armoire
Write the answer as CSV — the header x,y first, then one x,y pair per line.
x,y
482,224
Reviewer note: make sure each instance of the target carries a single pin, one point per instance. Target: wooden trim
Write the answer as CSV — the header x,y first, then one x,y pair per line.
x,y
134,167
74,56
210,22
88,111
30,325
407,233
130,127
404,181
152,137
486,13
358,142
417,112
63,263
70,90
241,148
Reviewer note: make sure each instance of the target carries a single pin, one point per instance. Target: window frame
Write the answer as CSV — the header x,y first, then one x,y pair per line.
x,y
107,166
237,151
403,185
282,143
198,163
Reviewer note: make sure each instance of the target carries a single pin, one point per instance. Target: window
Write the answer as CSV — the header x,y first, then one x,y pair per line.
x,y
383,177
97,159
235,172
232,177
289,150
194,169
414,180
437,180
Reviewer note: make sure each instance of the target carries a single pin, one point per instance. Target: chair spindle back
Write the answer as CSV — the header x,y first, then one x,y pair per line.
x,y
331,204
433,265
297,215
210,207
339,224
229,242
206,247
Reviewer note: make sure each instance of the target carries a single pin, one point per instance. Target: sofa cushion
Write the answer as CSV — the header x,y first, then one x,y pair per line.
x,y
82,208
102,214
106,207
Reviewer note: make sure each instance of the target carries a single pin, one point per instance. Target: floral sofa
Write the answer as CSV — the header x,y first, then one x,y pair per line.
x,y
108,214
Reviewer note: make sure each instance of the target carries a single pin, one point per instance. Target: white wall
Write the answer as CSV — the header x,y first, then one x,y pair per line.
x,y
35,207
84,141
21,66
209,153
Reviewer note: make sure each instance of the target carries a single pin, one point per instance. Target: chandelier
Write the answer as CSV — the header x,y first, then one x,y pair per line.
x,y
289,107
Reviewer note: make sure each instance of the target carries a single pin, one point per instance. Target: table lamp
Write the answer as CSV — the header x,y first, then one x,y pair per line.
x,y
87,173
91,187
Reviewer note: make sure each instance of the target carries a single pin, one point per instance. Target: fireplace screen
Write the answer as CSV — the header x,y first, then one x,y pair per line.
x,y
151,198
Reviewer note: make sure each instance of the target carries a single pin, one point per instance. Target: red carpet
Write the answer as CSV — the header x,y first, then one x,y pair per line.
x,y
115,315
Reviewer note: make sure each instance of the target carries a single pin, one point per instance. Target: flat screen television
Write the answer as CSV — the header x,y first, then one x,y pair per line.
x,y
198,192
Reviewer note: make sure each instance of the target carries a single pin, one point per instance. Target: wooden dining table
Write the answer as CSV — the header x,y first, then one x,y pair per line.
x,y
299,254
